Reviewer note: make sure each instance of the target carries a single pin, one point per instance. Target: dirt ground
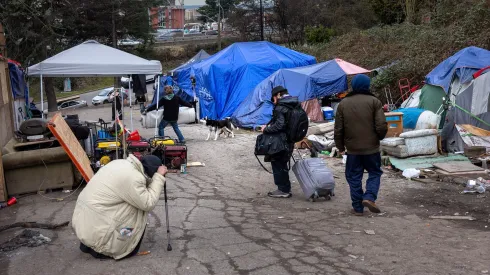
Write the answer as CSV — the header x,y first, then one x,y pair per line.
x,y
222,222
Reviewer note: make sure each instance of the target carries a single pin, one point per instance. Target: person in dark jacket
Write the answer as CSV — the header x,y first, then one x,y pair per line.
x,y
278,125
171,104
116,99
360,124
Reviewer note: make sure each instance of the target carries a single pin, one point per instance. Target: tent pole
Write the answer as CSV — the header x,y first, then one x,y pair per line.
x,y
130,102
42,97
116,119
121,94
158,100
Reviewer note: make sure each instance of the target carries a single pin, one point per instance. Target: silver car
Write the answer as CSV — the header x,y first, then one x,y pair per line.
x,y
72,104
103,97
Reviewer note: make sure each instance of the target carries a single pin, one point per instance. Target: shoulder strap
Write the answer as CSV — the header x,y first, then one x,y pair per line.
x,y
263,167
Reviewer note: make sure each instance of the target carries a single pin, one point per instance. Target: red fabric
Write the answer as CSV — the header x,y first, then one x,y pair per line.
x,y
480,72
313,109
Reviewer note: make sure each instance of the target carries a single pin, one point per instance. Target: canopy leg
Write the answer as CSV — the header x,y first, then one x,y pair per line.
x,y
158,101
42,97
131,102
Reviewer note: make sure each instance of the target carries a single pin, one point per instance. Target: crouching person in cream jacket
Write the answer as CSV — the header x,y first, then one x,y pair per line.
x,y
111,212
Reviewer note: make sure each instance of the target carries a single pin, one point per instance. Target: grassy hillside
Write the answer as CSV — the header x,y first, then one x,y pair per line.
x,y
417,49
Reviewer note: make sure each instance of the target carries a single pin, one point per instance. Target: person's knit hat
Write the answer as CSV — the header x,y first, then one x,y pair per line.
x,y
151,164
276,90
361,83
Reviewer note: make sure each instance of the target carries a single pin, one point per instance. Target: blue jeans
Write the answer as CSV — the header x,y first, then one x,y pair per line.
x,y
354,171
281,175
174,125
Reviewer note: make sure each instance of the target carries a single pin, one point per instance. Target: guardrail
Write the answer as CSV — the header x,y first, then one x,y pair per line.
x,y
189,38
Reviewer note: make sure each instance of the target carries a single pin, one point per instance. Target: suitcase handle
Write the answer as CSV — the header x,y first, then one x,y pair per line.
x,y
303,143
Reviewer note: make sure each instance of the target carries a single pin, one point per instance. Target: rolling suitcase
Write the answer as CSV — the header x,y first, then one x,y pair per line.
x,y
314,177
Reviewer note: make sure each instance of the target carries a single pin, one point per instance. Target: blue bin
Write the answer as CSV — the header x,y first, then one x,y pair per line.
x,y
328,114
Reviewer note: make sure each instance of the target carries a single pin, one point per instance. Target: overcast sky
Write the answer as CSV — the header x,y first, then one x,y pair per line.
x,y
194,2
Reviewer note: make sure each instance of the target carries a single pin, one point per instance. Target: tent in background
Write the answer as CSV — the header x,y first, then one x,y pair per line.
x,y
94,59
225,79
463,64
306,83
182,74
475,99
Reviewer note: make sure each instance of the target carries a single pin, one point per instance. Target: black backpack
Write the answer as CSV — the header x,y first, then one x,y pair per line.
x,y
297,124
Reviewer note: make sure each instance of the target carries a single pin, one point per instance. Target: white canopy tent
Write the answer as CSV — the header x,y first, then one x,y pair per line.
x,y
92,59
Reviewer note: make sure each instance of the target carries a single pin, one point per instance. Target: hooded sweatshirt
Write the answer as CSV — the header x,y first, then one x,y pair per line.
x,y
171,104
360,122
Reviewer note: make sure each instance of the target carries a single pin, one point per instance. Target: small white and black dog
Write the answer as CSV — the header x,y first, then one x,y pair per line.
x,y
224,126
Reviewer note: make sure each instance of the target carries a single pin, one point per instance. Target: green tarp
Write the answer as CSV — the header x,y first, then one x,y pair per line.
x,y
431,98
424,162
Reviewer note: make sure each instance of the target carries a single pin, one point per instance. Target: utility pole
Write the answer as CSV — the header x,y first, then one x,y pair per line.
x,y
219,25
261,21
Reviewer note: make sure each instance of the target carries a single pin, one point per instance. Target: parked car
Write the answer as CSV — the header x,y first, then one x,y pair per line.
x,y
211,32
193,32
103,97
170,35
72,104
128,42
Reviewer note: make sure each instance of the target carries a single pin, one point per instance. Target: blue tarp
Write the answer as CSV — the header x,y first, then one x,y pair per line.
x,y
18,84
164,81
464,64
410,117
306,83
182,75
225,79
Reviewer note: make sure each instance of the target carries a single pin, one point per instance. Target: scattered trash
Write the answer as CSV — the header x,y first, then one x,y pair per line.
x,y
29,238
143,253
370,232
474,186
67,191
10,202
353,256
484,272
356,231
468,218
344,159
411,173
280,217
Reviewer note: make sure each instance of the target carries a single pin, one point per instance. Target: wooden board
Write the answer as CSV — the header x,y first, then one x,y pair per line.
x,y
457,166
475,130
195,164
467,174
72,147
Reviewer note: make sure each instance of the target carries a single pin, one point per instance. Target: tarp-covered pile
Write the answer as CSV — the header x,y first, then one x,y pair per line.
x,y
225,79
306,83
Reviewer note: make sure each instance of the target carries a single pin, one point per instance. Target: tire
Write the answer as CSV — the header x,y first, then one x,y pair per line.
x,y
105,101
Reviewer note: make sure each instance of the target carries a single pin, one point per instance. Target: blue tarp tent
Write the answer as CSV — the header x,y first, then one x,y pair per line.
x,y
464,64
306,83
225,79
182,74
